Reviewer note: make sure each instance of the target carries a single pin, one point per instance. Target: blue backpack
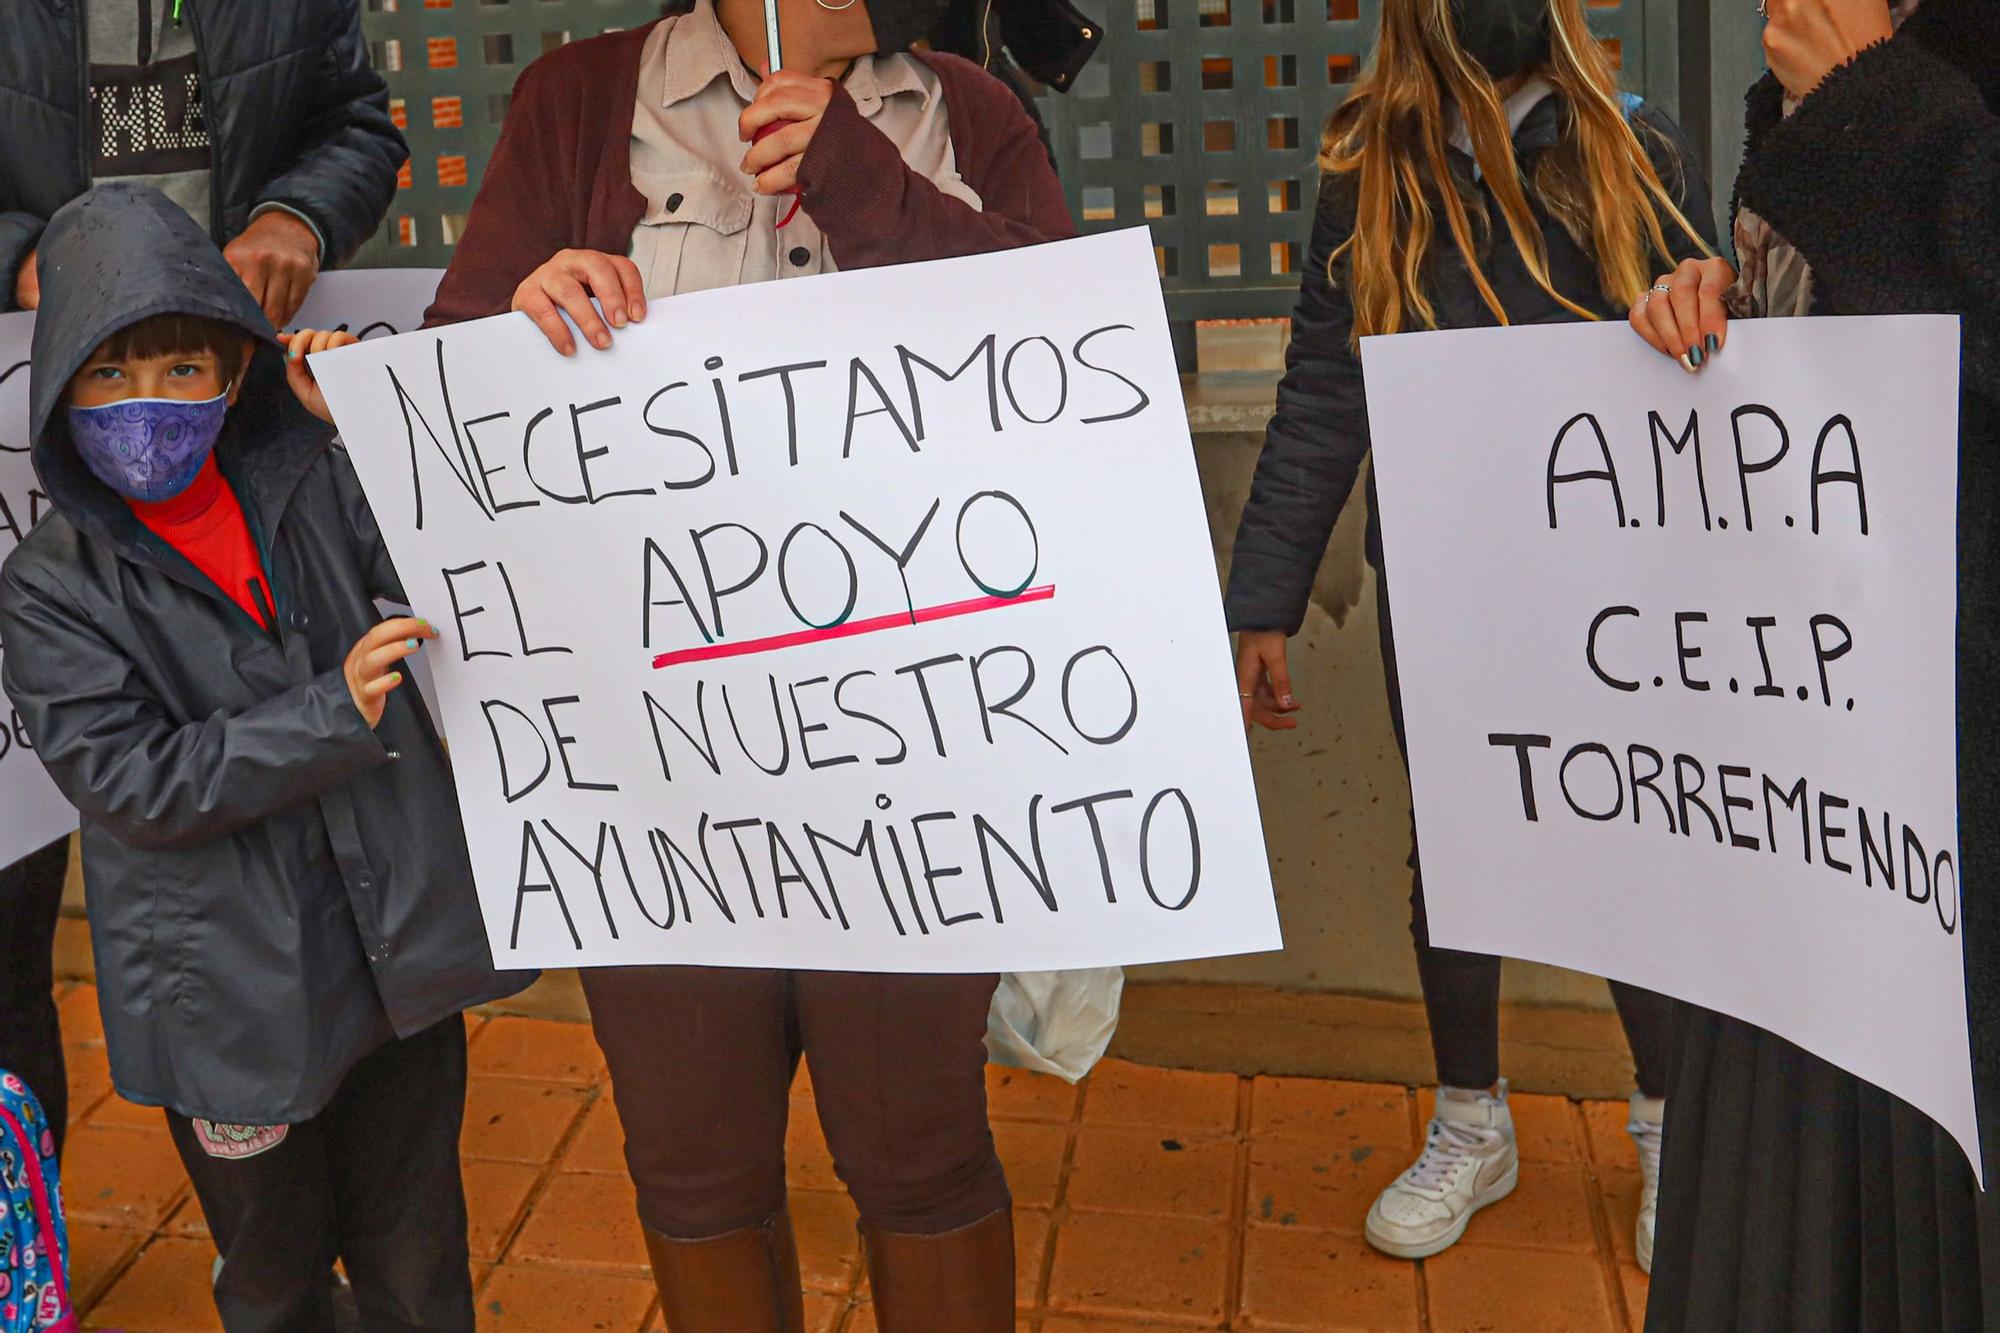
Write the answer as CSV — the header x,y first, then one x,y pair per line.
x,y
34,1242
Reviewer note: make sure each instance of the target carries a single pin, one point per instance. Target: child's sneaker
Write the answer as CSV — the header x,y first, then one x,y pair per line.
x,y
1648,1114
1469,1160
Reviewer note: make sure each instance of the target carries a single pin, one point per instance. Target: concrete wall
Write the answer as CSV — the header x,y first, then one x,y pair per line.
x,y
1335,800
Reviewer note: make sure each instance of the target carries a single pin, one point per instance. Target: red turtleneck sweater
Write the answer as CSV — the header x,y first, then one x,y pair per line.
x,y
205,524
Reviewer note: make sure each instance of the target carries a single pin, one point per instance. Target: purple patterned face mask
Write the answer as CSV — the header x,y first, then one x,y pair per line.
x,y
148,448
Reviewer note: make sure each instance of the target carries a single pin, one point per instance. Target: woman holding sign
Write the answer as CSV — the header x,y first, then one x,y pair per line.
x,y
658,161
1486,171
1795,1195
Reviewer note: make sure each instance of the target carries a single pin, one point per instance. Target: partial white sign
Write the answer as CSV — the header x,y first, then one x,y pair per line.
x,y
865,621
32,812
370,302
1677,659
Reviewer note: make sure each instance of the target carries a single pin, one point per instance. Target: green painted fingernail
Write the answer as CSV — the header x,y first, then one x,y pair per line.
x,y
1696,356
1713,344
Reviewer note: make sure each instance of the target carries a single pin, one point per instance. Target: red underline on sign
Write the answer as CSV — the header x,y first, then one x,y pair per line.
x,y
872,625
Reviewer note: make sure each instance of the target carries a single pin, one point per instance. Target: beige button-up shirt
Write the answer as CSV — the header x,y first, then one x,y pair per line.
x,y
705,226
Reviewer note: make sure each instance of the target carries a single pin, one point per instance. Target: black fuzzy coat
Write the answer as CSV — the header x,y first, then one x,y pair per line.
x,y
1794,1196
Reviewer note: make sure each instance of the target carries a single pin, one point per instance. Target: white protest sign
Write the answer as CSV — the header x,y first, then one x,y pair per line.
x,y
866,621
1677,661
372,304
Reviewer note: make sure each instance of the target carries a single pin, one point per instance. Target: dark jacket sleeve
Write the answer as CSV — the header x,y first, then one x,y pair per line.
x,y
1887,179
520,217
151,784
1680,171
1313,448
874,210
19,234
344,174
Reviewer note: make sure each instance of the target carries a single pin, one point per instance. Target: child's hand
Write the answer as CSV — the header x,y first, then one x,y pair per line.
x,y
369,662
300,344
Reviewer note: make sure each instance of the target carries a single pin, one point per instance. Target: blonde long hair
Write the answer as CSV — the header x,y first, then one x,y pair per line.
x,y
1598,182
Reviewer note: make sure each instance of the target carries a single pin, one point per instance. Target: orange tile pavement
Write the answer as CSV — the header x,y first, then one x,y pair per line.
x,y
1147,1199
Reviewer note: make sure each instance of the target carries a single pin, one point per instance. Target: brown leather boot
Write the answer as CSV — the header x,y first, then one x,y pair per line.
x,y
958,1282
744,1281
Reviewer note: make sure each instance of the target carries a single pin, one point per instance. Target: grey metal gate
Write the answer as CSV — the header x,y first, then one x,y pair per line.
x,y
1199,118
451,66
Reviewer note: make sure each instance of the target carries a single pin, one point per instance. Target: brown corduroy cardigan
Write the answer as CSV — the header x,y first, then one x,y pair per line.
x,y
561,177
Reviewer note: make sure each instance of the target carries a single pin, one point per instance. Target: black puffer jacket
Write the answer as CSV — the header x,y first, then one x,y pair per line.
x,y
1317,441
295,117
273,888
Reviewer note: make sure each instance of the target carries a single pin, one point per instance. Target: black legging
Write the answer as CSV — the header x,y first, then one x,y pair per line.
x,y
30,1038
1462,990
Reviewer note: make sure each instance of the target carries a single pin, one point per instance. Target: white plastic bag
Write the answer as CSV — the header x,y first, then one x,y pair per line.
x,y
1054,1022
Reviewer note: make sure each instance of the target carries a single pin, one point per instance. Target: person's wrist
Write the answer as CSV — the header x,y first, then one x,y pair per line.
x,y
1868,41
1829,72
818,163
278,219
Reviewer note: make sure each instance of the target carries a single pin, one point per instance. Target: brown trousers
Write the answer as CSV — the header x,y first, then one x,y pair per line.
x,y
701,1066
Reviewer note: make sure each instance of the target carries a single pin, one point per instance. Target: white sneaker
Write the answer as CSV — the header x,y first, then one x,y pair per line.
x,y
1469,1160
1648,1114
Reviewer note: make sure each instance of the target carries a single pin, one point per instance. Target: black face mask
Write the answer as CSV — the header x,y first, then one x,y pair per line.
x,y
901,24
1504,36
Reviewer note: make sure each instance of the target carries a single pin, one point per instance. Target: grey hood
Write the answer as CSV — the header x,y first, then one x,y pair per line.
x,y
117,255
